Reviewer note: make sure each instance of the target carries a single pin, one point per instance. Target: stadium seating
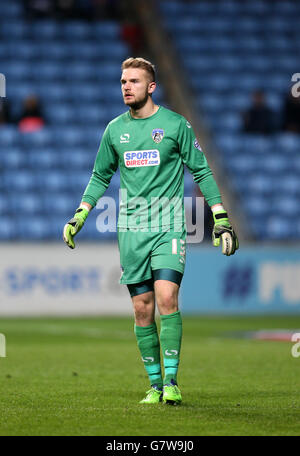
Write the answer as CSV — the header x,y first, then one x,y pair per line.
x,y
73,66
229,49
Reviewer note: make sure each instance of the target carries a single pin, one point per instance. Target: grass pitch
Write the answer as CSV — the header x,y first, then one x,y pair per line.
x,y
85,377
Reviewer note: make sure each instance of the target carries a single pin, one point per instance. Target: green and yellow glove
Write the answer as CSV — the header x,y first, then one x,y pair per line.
x,y
223,231
74,226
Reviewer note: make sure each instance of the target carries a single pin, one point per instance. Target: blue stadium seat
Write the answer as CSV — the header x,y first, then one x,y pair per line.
x,y
109,72
229,144
4,206
107,31
54,180
231,121
90,93
114,110
171,8
50,91
294,164
37,229
257,144
256,206
257,63
79,179
14,29
91,114
24,50
11,9
274,101
251,43
275,164
279,82
75,30
287,205
289,184
60,113
45,30
191,47
77,159
54,50
248,82
20,90
26,203
92,136
37,139
279,228
44,158
114,51
68,135
287,8
246,24
16,71
23,180
255,7
12,158
60,203
7,229
49,71
259,184
229,63
9,135
242,164
210,102
287,143
80,70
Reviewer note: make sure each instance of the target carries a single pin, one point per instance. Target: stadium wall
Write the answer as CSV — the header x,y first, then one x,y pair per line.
x,y
49,279
256,280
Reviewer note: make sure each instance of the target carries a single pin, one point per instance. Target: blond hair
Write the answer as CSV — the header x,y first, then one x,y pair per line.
x,y
139,62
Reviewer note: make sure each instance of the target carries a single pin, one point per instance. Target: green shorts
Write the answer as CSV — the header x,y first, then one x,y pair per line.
x,y
143,252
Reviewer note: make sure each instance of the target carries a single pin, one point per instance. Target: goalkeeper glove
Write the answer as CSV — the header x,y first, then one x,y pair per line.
x,y
74,226
223,231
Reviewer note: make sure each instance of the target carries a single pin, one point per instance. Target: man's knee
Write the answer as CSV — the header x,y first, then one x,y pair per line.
x,y
167,300
144,308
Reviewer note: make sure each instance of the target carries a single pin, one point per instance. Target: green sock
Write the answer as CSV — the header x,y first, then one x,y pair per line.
x,y
170,340
148,343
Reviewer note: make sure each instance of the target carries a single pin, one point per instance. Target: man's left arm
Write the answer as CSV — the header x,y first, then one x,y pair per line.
x,y
195,160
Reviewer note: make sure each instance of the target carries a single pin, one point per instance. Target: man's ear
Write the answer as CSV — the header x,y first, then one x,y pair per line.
x,y
151,87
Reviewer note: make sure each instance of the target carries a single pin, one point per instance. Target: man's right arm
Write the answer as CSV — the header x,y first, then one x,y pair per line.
x,y
105,166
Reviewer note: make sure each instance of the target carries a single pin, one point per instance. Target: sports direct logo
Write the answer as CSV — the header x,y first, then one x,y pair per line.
x,y
137,158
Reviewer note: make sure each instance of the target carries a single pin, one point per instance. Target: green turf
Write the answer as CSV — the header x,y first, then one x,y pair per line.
x,y
85,377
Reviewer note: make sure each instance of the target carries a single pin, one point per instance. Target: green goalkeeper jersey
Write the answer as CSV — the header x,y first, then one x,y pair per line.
x,y
151,154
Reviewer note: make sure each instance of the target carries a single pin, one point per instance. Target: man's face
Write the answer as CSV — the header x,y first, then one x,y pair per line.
x,y
136,87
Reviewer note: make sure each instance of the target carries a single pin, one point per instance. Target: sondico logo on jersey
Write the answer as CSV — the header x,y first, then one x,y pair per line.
x,y
138,158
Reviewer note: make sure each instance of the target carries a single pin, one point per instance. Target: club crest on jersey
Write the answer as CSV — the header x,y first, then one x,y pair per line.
x,y
157,135
197,145
139,158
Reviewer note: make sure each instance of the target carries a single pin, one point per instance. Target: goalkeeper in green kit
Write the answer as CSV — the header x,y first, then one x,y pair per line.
x,y
151,144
